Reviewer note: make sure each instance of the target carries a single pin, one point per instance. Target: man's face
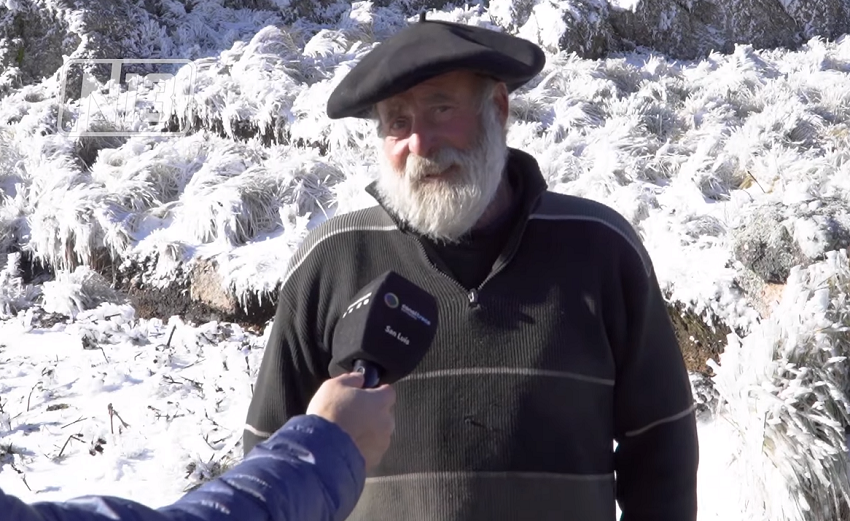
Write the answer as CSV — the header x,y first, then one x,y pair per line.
x,y
441,157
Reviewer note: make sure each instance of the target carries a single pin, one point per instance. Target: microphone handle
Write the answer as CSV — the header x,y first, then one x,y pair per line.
x,y
371,373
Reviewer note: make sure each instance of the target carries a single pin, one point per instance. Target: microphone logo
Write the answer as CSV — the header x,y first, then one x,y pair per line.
x,y
391,300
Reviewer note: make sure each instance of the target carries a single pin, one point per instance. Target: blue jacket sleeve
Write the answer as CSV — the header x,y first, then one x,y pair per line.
x,y
309,470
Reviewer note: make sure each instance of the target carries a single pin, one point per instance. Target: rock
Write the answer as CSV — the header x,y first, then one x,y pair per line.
x,y
681,29
584,29
706,396
695,28
692,29
413,7
37,35
33,38
205,286
777,237
820,226
195,295
763,296
765,246
825,18
257,5
174,300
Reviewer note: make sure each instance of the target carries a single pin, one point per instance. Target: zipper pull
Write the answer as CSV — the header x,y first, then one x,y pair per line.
x,y
473,297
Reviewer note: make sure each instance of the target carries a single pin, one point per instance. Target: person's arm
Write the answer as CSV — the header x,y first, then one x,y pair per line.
x,y
309,470
655,427
292,369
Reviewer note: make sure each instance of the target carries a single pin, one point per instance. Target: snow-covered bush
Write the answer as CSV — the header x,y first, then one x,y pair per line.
x,y
784,389
15,295
74,292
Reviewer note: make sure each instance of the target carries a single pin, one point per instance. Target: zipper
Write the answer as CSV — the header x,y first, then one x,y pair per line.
x,y
513,247
473,294
441,272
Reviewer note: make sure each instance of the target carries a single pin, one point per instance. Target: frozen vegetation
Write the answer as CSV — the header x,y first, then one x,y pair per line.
x,y
734,167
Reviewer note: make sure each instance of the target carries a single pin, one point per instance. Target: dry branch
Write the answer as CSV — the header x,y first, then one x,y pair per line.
x,y
113,412
30,395
71,437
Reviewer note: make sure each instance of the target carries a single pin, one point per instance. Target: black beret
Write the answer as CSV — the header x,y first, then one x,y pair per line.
x,y
427,49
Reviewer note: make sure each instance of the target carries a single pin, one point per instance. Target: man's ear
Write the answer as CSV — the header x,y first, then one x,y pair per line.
x,y
500,96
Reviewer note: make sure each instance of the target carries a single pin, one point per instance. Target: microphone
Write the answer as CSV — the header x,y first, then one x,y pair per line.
x,y
385,331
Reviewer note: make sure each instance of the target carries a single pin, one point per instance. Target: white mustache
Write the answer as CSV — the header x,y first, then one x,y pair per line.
x,y
417,167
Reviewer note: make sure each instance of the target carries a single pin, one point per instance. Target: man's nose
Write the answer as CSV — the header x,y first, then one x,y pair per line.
x,y
421,140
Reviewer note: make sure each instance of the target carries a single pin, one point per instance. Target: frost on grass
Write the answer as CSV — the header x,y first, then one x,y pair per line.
x,y
39,34
688,152
15,294
247,90
683,150
73,292
784,390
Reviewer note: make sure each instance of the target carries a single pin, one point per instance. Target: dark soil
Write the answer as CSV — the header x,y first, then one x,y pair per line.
x,y
162,303
31,271
707,342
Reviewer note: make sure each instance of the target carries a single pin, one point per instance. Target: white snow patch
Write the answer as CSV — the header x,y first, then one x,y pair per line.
x,y
182,392
624,5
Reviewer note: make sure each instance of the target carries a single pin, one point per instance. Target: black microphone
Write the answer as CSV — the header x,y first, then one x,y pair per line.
x,y
385,331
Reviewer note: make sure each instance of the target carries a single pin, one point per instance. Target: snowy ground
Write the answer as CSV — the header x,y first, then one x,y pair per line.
x,y
686,151
181,391
184,404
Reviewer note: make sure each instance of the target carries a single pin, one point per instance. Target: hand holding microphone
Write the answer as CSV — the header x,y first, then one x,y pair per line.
x,y
365,414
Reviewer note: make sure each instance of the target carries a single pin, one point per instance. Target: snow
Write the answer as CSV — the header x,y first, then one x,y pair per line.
x,y
182,392
685,150
624,5
784,388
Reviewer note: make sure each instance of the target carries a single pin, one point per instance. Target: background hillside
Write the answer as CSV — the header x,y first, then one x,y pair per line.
x,y
141,271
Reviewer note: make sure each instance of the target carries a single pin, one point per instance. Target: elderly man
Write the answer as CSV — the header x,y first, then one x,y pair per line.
x,y
554,340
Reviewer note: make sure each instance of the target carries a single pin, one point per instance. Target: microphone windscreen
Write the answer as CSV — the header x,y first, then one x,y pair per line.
x,y
391,322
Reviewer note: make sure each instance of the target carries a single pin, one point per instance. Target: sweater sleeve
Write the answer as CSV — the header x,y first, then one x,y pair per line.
x,y
655,427
298,352
309,470
292,369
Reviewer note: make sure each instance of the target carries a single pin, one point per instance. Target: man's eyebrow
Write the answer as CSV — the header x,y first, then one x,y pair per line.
x,y
390,109
438,97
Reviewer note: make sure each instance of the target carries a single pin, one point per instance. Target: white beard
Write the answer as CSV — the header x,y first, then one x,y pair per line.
x,y
446,209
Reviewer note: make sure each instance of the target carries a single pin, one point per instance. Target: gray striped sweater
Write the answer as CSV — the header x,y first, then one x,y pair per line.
x,y
564,349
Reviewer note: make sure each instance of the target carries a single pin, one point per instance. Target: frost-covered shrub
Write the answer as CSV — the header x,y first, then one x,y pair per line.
x,y
74,292
784,389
